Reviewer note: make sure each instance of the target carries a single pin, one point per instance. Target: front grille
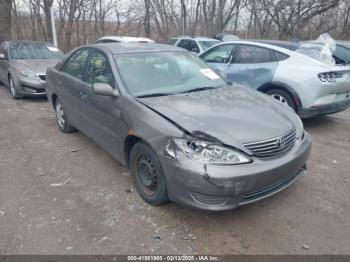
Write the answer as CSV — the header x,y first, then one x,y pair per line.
x,y
208,200
274,146
42,77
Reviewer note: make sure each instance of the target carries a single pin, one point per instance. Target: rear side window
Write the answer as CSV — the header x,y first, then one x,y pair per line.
x,y
75,65
280,56
184,43
248,54
220,54
189,45
108,41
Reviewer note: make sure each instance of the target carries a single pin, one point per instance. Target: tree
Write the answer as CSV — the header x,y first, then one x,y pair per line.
x,y
5,19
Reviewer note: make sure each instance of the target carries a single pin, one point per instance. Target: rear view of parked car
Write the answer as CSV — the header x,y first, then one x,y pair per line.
x,y
195,44
308,86
23,66
178,125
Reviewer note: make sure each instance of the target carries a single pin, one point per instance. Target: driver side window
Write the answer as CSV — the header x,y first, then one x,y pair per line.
x,y
220,54
99,70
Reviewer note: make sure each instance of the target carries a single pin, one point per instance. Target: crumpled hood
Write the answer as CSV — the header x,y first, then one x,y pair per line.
x,y
37,66
233,115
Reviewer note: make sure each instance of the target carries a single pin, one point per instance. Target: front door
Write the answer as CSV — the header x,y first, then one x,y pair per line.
x,y
101,114
218,58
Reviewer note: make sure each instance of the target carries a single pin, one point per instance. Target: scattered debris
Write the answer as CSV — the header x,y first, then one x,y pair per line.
x,y
306,247
103,239
60,184
78,149
157,238
129,190
189,237
2,213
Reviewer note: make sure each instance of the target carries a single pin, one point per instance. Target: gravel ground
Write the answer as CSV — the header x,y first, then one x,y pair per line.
x,y
62,194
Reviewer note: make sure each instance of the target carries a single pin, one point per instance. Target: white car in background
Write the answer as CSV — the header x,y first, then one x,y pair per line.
x,y
309,86
123,39
193,44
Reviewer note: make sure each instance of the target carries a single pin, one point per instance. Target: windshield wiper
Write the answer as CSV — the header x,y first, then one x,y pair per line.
x,y
155,95
199,89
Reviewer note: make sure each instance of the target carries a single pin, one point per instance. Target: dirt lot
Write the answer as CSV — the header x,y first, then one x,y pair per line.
x,y
95,212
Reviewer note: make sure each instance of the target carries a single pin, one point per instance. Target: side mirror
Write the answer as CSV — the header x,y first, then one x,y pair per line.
x,y
104,89
195,50
2,56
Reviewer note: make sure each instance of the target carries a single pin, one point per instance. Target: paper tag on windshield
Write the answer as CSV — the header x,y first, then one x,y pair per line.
x,y
209,73
53,49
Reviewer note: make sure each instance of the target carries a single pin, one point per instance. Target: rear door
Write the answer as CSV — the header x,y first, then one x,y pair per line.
x,y
252,65
101,114
70,85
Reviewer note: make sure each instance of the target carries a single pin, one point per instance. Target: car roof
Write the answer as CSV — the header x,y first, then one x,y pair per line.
x,y
126,39
125,48
27,42
199,38
344,43
257,43
284,44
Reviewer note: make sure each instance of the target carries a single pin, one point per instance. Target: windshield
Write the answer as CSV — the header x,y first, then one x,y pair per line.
x,y
34,51
206,44
165,73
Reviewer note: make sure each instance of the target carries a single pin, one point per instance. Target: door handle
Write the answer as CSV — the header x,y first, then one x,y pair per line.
x,y
83,95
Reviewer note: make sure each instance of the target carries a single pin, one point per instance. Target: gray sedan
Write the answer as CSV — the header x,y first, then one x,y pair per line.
x,y
187,135
23,66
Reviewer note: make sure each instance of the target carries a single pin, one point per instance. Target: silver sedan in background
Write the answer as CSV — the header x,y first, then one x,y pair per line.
x,y
23,66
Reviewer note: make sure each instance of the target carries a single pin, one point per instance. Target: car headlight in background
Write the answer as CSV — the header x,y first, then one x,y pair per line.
x,y
210,153
27,74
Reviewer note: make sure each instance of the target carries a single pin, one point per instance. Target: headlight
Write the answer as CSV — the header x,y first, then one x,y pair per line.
x,y
210,153
299,128
27,74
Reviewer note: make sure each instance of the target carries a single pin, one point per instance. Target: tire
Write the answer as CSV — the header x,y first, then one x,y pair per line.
x,y
148,175
13,89
282,96
61,118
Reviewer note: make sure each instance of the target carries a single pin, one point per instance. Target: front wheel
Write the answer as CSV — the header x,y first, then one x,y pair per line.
x,y
61,118
13,89
148,175
282,97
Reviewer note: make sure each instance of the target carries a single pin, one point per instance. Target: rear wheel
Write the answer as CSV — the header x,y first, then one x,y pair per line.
x,y
61,118
148,175
13,89
282,96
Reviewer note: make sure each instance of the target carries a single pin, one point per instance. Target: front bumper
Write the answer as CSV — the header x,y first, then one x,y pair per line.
x,y
223,187
324,109
29,87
